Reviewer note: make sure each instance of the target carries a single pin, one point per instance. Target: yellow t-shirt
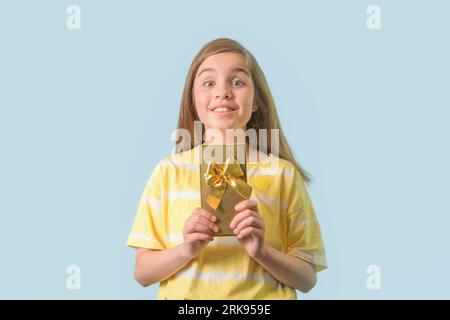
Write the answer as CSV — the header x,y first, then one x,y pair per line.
x,y
224,270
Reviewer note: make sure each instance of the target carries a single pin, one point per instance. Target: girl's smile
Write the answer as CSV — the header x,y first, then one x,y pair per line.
x,y
223,109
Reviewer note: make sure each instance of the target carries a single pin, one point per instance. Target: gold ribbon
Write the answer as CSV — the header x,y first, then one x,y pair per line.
x,y
218,177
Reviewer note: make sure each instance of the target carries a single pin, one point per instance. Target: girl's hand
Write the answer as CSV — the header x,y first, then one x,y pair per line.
x,y
249,227
198,231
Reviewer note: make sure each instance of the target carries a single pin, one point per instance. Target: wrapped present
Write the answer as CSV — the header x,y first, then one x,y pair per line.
x,y
223,181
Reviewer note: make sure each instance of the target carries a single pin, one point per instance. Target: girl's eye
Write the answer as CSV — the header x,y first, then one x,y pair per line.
x,y
237,83
207,83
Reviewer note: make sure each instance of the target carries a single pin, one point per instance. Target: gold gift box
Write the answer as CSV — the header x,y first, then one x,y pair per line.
x,y
223,181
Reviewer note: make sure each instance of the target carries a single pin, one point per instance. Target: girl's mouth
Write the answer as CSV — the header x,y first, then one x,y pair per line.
x,y
223,110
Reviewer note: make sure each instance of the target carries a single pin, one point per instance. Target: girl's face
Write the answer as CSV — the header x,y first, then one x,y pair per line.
x,y
224,92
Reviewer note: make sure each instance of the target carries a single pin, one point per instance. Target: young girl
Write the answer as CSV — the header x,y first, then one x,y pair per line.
x,y
278,245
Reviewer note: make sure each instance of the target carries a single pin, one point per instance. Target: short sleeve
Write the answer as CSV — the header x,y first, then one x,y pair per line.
x,y
304,238
147,230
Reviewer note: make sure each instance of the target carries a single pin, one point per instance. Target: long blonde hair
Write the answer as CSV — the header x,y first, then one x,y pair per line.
x,y
265,117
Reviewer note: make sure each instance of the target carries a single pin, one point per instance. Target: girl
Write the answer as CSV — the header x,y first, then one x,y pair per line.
x,y
278,245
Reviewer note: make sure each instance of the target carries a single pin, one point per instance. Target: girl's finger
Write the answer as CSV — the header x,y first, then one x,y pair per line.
x,y
241,216
251,221
249,231
246,204
205,213
201,219
200,236
194,227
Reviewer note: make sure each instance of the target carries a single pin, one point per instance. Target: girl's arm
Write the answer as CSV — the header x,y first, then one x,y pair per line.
x,y
290,270
153,266
249,227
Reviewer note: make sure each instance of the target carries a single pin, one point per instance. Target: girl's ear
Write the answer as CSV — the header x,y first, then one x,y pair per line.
x,y
254,108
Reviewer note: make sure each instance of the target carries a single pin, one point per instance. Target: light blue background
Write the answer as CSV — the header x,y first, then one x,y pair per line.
x,y
85,115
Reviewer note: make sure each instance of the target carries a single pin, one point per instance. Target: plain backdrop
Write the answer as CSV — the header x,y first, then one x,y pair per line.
x,y
86,114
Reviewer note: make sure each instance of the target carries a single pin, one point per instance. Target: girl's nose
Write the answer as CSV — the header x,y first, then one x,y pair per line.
x,y
223,92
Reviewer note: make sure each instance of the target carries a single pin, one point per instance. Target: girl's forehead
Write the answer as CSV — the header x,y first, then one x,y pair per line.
x,y
223,61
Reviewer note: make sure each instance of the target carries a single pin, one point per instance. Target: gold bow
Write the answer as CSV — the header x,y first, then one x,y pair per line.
x,y
218,177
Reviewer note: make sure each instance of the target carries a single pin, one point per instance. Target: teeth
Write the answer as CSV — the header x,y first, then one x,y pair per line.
x,y
223,109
